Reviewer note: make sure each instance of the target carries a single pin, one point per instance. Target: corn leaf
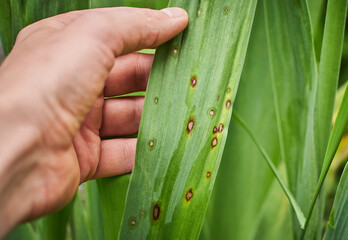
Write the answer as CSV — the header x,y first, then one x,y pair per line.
x,y
299,214
112,195
294,79
17,14
245,194
191,90
80,229
328,76
6,26
54,226
338,131
24,231
93,210
329,68
337,225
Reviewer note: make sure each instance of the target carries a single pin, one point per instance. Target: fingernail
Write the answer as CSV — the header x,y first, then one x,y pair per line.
x,y
174,12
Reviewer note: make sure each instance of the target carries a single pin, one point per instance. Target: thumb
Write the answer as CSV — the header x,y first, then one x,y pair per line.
x,y
125,30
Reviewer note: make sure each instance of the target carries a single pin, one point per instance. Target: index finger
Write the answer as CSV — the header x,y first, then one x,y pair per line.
x,y
124,30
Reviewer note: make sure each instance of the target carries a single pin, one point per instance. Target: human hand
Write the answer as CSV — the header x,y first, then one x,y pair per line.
x,y
52,107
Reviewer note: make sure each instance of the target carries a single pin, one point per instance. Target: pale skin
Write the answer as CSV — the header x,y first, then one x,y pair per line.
x,y
52,108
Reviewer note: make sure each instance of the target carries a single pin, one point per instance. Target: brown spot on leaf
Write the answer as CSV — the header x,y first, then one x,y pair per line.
x,y
175,51
220,128
199,12
228,89
215,129
156,212
189,195
133,222
208,175
212,112
228,103
214,142
156,100
193,81
151,143
190,125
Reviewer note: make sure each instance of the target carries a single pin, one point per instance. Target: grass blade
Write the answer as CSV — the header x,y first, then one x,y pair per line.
x,y
294,78
78,221
299,214
23,13
329,69
6,26
191,89
93,210
54,226
337,225
338,131
112,197
245,192
24,231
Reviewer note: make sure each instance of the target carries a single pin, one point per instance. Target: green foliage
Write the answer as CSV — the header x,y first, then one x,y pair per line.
x,y
112,194
178,155
285,99
337,226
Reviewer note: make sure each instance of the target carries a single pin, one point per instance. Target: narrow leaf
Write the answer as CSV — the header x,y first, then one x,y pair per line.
x,y
185,121
337,225
112,197
246,194
6,26
338,131
299,214
54,226
93,210
23,231
329,69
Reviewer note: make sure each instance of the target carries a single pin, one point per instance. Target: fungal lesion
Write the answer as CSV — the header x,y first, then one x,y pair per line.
x,y
152,143
228,104
190,125
156,212
215,129
226,10
212,112
193,81
214,142
175,51
133,222
208,175
156,100
189,195
220,128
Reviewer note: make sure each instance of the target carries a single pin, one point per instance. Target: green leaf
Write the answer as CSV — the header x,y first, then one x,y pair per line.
x,y
6,26
294,79
191,90
93,210
335,139
23,231
17,14
80,229
299,214
112,196
246,194
329,68
54,226
328,76
337,225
